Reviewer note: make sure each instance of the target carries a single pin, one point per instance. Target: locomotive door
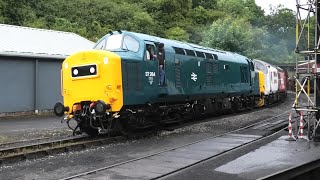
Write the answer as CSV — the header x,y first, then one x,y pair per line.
x,y
151,70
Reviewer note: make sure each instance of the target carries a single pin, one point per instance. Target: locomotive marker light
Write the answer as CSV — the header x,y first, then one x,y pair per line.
x,y
75,72
59,109
101,107
92,70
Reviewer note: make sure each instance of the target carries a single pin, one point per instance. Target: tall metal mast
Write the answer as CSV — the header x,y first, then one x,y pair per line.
x,y
308,70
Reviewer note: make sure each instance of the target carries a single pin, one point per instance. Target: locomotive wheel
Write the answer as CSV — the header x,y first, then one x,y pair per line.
x,y
197,111
90,131
123,126
236,106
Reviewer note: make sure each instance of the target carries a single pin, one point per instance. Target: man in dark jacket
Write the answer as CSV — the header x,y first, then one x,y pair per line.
x,y
161,56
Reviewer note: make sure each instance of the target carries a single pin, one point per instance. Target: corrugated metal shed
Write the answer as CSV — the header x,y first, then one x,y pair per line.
x,y
32,42
30,65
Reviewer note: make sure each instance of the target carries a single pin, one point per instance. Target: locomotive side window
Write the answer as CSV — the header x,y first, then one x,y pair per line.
x,y
129,43
150,52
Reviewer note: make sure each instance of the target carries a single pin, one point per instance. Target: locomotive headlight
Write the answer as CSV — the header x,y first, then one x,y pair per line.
x,y
92,70
75,72
101,107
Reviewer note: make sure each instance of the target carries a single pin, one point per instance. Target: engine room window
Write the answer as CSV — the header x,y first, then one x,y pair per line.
x,y
129,43
190,52
209,56
200,54
179,51
215,56
114,42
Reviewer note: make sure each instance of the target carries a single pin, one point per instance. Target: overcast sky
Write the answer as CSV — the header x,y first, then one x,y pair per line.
x,y
265,4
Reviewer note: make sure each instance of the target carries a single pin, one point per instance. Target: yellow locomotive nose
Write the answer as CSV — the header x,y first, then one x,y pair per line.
x,y
91,76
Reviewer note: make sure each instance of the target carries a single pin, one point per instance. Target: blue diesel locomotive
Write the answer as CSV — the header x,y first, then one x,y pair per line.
x,y
132,80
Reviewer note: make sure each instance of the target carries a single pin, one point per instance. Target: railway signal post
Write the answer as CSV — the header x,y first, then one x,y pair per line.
x,y
308,70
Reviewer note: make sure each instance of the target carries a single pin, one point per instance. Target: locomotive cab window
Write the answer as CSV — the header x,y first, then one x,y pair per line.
x,y
101,44
117,41
130,44
114,42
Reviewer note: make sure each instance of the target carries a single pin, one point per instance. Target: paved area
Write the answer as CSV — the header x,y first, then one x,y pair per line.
x,y
174,159
275,156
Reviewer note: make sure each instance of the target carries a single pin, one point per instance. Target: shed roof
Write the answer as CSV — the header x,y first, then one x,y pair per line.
x,y
32,42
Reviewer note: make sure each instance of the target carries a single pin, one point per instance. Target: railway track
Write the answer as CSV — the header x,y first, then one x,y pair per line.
x,y
37,150
172,160
41,147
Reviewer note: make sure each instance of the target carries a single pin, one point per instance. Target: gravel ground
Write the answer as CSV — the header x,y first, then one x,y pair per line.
x,y
13,129
66,164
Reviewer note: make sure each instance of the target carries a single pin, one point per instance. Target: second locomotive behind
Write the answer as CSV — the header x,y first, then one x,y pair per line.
x,y
132,80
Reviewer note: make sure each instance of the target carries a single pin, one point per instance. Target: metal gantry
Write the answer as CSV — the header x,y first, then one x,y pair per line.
x,y
307,66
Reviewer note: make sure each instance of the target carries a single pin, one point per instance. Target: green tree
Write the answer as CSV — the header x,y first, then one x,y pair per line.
x,y
247,9
207,4
234,25
200,15
17,12
2,17
281,24
177,33
143,22
228,34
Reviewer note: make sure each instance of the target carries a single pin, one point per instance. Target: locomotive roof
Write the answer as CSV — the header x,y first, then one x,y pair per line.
x,y
218,54
174,43
225,55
